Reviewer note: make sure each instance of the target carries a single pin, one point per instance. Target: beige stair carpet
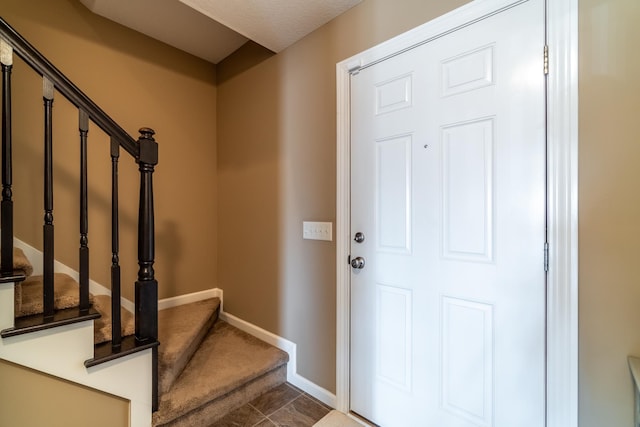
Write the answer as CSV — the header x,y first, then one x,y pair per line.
x,y
229,369
102,327
181,329
66,294
21,264
28,299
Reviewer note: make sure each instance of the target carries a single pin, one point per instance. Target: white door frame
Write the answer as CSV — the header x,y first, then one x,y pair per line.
x,y
562,193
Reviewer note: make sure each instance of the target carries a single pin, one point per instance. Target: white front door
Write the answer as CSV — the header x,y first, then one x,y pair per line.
x,y
448,193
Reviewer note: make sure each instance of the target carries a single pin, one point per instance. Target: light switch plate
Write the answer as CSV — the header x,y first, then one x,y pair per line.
x,y
317,230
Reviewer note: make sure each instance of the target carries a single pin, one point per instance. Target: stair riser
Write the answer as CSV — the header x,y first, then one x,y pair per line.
x,y
213,411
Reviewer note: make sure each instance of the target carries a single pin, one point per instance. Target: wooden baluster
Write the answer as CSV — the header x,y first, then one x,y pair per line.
x,y
6,206
116,329
48,257
84,214
147,287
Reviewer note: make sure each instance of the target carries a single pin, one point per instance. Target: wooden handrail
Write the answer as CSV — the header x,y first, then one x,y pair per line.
x,y
64,86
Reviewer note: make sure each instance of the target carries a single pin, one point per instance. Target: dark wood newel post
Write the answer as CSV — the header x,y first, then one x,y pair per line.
x,y
147,286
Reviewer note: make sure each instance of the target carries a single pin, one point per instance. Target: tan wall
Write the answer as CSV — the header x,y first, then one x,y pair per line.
x,y
276,168
139,82
609,205
31,398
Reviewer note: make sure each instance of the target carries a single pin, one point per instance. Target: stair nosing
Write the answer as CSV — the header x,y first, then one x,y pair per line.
x,y
38,322
103,352
15,276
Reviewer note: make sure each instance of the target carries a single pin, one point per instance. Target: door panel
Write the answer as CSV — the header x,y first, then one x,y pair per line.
x,y
467,196
448,186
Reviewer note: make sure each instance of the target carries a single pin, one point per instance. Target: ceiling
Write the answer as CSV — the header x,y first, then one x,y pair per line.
x,y
213,29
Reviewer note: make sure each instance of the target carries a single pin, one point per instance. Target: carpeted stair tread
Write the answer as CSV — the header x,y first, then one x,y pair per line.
x,y
211,412
102,326
181,330
66,294
21,263
226,361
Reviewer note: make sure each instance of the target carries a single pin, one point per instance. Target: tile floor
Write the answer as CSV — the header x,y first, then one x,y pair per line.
x,y
283,406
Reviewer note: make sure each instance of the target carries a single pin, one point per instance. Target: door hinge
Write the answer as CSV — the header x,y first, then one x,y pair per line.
x,y
546,257
354,67
546,60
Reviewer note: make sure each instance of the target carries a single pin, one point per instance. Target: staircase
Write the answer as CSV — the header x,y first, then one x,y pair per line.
x,y
181,366
206,367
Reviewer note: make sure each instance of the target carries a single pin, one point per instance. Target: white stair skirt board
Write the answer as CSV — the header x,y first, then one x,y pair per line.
x,y
293,377
7,305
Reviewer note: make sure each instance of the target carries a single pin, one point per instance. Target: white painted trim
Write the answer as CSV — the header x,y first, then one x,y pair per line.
x,y
7,305
562,284
163,304
289,347
343,236
562,316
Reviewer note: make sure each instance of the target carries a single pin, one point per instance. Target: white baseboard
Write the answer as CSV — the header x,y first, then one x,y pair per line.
x,y
189,298
283,344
